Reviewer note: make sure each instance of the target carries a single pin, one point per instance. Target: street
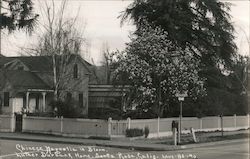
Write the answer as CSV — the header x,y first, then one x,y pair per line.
x,y
10,149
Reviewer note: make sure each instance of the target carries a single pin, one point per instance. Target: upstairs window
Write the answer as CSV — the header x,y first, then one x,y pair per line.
x,y
68,96
75,71
20,68
6,99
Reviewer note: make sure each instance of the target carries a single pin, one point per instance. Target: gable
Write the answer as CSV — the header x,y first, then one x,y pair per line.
x,y
40,68
16,64
22,79
82,65
41,63
81,62
38,63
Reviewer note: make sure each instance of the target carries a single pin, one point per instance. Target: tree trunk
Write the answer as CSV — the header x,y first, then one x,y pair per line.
x,y
55,78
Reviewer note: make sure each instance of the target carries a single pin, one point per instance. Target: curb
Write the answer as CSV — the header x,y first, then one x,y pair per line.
x,y
148,147
129,146
223,142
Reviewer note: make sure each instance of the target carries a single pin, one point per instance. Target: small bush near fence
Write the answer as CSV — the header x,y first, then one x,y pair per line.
x,y
134,132
67,108
41,114
146,131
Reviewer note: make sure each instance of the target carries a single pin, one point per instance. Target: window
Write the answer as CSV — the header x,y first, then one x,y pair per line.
x,y
24,101
6,99
80,100
75,71
68,96
20,68
37,102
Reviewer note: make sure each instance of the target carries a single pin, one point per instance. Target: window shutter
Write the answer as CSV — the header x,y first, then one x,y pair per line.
x,y
80,100
6,97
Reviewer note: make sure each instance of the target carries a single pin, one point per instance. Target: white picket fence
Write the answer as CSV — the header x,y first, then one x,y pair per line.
x,y
116,128
7,123
66,126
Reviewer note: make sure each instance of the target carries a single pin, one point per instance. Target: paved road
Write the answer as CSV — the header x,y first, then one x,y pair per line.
x,y
10,149
235,150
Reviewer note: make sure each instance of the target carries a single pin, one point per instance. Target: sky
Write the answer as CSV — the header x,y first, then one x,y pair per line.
x,y
99,22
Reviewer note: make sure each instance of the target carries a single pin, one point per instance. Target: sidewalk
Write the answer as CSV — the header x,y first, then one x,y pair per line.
x,y
142,145
134,144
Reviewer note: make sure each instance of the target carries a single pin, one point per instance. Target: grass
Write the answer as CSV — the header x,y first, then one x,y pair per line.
x,y
187,139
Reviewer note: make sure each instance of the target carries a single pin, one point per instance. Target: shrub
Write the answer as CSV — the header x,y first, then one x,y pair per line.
x,y
134,132
67,108
104,113
146,131
41,114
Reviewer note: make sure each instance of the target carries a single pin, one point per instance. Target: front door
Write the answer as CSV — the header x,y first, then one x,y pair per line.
x,y
19,122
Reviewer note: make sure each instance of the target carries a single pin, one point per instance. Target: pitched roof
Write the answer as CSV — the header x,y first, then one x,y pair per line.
x,y
39,69
23,79
4,60
39,63
35,63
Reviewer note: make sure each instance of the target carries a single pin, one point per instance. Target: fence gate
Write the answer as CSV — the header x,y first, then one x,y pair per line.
x,y
118,127
19,122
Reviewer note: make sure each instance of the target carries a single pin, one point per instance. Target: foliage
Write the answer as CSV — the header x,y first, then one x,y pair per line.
x,y
226,93
157,69
107,63
139,113
42,114
17,14
205,28
59,40
146,131
104,113
67,108
200,25
134,132
59,34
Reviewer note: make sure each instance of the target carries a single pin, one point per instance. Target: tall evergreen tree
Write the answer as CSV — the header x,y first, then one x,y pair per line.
x,y
17,14
202,25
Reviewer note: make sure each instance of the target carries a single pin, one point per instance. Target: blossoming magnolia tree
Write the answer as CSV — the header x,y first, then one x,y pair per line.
x,y
157,70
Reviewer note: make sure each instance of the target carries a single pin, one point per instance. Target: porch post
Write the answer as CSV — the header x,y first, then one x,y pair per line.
x,y
44,101
27,101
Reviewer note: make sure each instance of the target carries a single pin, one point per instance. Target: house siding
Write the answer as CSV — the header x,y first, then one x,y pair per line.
x,y
40,71
78,85
7,88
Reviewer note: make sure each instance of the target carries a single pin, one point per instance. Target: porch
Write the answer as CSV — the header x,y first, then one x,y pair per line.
x,y
32,101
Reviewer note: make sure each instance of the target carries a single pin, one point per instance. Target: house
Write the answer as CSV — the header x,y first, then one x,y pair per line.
x,y
248,85
27,83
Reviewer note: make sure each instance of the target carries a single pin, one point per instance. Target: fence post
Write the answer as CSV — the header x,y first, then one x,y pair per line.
x,y
158,126
200,123
235,121
109,126
219,122
193,134
13,123
128,120
175,136
61,122
247,120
